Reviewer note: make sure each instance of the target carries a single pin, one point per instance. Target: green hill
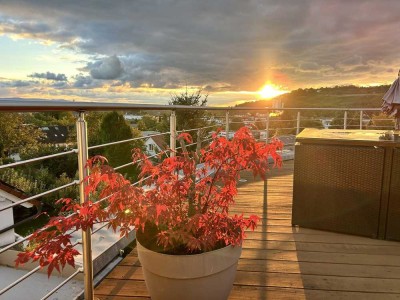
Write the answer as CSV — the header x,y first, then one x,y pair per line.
x,y
339,96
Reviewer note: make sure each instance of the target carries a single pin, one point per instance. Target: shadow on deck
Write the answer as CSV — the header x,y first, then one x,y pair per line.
x,y
284,262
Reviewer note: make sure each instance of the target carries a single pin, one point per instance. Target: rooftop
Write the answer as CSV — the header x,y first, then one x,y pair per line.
x,y
55,134
14,194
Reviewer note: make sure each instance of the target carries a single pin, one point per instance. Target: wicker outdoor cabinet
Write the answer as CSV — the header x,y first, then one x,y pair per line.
x,y
347,181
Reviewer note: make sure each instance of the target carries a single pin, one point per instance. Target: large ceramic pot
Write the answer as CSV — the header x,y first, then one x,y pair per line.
x,y
206,276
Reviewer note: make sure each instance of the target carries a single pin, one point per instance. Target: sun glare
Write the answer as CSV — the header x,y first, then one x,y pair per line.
x,y
270,91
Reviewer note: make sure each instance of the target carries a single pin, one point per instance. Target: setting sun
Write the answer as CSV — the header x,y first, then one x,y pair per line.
x,y
270,91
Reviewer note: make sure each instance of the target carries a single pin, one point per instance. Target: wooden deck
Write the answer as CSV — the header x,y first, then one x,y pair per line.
x,y
282,262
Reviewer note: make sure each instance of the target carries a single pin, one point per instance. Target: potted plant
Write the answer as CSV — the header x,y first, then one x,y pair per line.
x,y
188,242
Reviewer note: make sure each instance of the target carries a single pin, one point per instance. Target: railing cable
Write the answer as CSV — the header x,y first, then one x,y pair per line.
x,y
23,162
80,270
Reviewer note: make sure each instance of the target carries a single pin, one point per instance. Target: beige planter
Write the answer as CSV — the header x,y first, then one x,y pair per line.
x,y
206,276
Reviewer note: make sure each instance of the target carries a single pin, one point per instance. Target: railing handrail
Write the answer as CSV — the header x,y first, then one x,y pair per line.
x,y
37,105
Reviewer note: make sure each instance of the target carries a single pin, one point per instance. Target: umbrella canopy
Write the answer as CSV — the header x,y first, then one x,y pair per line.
x,y
391,101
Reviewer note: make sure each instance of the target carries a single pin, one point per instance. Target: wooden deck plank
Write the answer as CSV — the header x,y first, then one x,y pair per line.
x,y
318,282
286,267
316,257
284,262
241,292
328,239
134,289
322,247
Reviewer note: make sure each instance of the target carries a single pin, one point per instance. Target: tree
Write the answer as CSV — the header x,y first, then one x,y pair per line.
x,y
15,134
353,120
62,118
58,165
114,128
260,124
94,120
186,119
381,122
194,118
37,180
236,123
147,122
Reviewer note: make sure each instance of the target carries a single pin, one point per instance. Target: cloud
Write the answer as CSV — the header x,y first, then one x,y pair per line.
x,y
20,83
35,29
218,88
49,76
82,81
59,84
107,68
309,66
7,83
218,44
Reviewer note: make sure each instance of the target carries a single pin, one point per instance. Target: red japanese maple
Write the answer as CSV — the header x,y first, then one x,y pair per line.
x,y
181,205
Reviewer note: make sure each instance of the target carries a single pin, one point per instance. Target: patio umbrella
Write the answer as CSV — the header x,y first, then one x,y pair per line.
x,y
391,102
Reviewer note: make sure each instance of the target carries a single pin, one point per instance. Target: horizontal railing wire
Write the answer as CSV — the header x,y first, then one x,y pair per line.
x,y
165,151
195,129
75,182
22,278
80,270
126,141
148,156
30,235
23,162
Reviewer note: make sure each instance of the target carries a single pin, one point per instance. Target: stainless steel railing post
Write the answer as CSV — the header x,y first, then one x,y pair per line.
x,y
172,128
298,123
267,128
81,129
361,119
227,124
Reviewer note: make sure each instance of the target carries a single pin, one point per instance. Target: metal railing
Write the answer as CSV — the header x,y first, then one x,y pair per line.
x,y
268,122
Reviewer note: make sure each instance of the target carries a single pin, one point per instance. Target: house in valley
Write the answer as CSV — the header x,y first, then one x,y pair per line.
x,y
154,143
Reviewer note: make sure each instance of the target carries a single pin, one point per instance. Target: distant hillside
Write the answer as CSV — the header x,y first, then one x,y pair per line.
x,y
340,96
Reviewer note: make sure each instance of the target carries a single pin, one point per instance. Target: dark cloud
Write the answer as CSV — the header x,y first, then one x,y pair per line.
x,y
49,76
10,25
107,68
36,28
218,43
85,82
82,81
20,83
218,88
59,85
15,83
354,60
309,66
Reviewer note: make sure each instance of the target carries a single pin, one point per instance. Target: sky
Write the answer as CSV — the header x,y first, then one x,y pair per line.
x,y
147,50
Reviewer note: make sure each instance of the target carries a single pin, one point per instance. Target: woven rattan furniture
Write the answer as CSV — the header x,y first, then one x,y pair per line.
x,y
347,181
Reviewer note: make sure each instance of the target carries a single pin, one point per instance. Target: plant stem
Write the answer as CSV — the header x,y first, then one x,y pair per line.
x,y
209,190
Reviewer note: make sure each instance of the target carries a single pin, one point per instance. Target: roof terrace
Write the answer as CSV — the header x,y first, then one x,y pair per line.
x,y
284,262
278,261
